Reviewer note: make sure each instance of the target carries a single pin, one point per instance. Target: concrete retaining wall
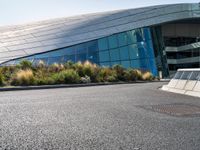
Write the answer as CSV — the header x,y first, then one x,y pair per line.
x,y
185,83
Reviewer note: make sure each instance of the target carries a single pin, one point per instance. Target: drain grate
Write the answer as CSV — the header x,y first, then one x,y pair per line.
x,y
177,109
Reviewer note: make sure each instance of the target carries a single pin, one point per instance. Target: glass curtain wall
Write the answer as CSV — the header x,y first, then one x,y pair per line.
x,y
131,49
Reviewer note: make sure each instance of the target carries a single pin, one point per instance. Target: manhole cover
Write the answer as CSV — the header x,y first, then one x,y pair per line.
x,y
175,109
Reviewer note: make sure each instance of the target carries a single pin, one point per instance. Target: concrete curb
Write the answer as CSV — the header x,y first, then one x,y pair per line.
x,y
20,88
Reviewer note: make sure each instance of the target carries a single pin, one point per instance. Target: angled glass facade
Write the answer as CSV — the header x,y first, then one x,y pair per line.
x,y
131,49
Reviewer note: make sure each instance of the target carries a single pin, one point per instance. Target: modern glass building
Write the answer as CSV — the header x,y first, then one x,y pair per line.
x,y
154,38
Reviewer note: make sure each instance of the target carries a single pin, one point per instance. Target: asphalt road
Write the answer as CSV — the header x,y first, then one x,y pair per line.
x,y
102,117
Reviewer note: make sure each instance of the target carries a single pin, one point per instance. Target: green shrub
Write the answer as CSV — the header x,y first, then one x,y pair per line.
x,y
131,75
69,65
23,77
25,64
120,72
107,74
41,64
45,81
7,72
1,79
56,67
66,76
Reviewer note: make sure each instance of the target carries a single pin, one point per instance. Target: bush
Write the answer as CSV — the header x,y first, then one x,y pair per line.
x,y
69,65
45,81
120,72
41,64
106,74
25,64
85,79
147,76
7,72
56,67
23,77
1,79
66,76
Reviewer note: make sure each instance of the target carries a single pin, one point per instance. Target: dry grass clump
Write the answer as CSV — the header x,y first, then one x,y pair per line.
x,y
23,77
147,76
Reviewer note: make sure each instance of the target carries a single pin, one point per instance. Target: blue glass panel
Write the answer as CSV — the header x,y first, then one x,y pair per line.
x,y
81,57
122,39
139,35
105,64
112,41
41,55
69,58
55,53
93,57
131,37
147,33
142,50
104,56
152,67
135,63
92,46
69,51
144,64
124,53
115,63
150,49
133,51
53,60
114,54
103,44
125,64
81,48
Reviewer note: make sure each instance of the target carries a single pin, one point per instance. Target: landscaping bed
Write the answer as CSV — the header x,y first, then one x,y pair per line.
x,y
28,74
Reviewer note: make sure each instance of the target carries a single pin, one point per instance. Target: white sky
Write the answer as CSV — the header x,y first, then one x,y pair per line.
x,y
24,11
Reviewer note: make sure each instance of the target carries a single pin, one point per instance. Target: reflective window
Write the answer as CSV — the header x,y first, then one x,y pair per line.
x,y
147,34
144,64
112,41
81,48
131,37
113,63
103,44
122,39
69,58
53,60
92,46
133,51
105,64
178,75
114,54
195,75
69,51
93,57
135,63
54,54
81,57
104,56
142,50
125,64
186,75
124,53
139,35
